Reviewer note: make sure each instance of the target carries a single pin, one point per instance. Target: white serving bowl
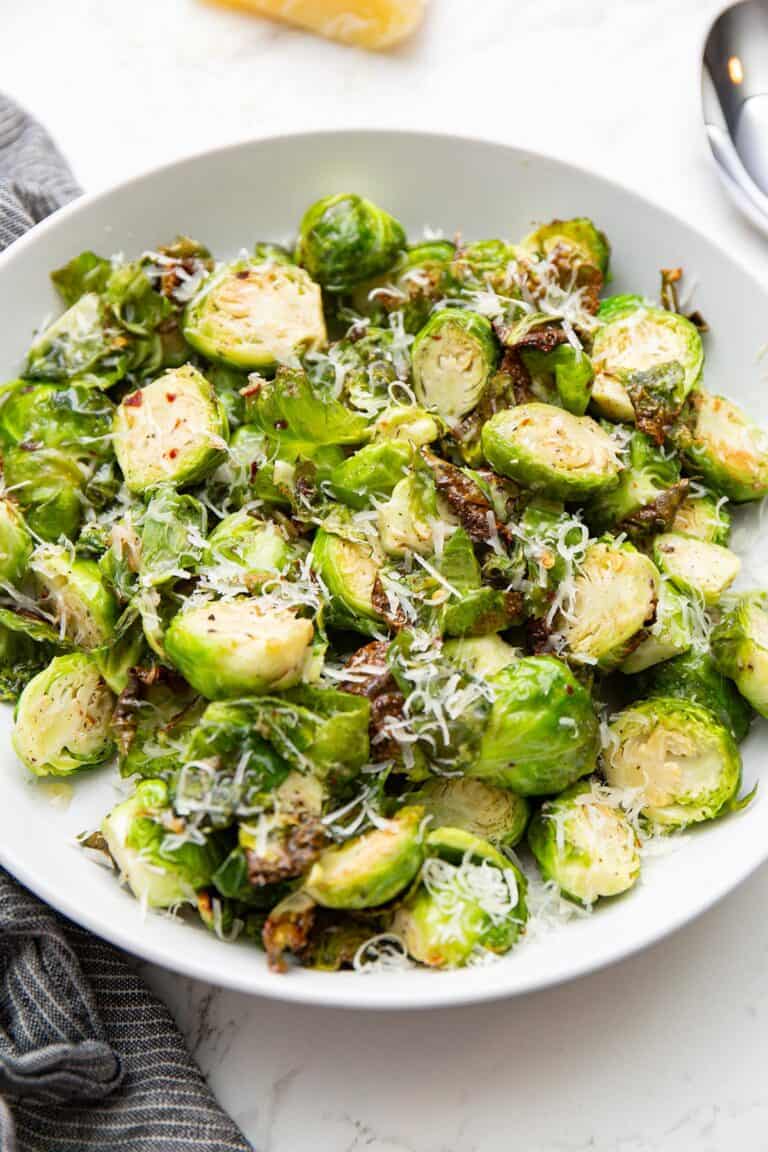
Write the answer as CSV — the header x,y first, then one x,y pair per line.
x,y
258,190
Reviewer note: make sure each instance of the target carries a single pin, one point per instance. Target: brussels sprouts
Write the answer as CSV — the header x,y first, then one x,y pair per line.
x,y
406,521
481,655
62,720
638,338
15,543
151,724
48,485
615,595
586,846
471,901
542,732
171,537
683,762
696,567
85,609
484,264
407,422
695,676
80,345
160,875
348,569
173,431
372,471
725,447
288,410
255,315
705,517
566,371
411,287
740,647
345,239
239,647
580,237
371,869
243,549
564,457
453,357
496,814
117,661
74,418
648,494
86,273
670,634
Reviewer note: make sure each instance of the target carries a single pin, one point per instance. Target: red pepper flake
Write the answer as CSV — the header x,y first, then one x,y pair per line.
x,y
135,400
170,397
173,453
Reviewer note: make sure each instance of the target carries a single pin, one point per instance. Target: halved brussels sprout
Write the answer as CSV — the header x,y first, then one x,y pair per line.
x,y
254,315
562,375
348,569
172,537
453,357
696,567
587,243
244,548
586,846
615,596
345,239
300,418
173,431
542,732
63,718
80,345
373,470
695,676
563,456
84,608
159,875
496,814
648,494
725,447
406,521
685,765
638,338
740,647
470,902
371,869
705,517
74,418
670,634
15,543
48,485
481,655
239,647
407,422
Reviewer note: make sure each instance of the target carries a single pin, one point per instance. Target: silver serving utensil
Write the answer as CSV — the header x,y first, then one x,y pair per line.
x,y
735,103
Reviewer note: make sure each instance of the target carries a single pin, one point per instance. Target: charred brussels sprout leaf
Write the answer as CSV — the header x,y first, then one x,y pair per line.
x,y
345,239
683,762
453,357
254,315
62,720
740,647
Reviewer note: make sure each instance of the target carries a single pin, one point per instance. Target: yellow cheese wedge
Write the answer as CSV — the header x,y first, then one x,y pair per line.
x,y
367,23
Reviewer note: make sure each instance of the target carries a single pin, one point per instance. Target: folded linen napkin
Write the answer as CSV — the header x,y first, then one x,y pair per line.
x,y
90,1060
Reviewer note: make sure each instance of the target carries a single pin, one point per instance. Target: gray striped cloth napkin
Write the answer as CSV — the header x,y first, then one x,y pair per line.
x,y
89,1057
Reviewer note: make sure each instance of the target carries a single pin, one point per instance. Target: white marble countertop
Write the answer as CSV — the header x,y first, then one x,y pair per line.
x,y
666,1052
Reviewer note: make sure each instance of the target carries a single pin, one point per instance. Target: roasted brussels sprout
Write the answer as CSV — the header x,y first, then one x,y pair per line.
x,y
683,762
726,448
696,567
481,655
373,470
406,521
63,718
542,732
160,874
615,596
670,634
704,516
244,550
419,277
409,423
345,239
563,375
637,338
254,315
371,869
648,495
80,345
740,647
239,647
73,590
585,845
496,814
695,676
578,238
470,902
48,485
348,569
173,431
15,543
172,537
453,357
290,411
562,456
